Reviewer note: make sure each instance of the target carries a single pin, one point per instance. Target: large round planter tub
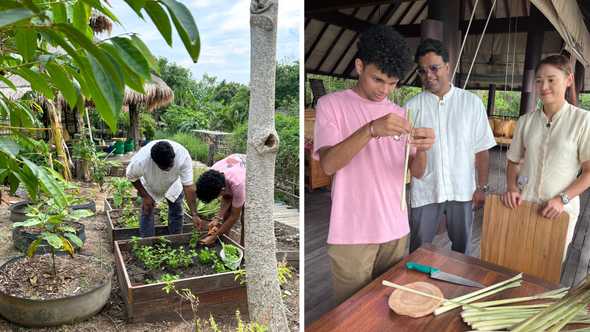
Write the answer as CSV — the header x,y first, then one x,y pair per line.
x,y
54,312
22,238
18,210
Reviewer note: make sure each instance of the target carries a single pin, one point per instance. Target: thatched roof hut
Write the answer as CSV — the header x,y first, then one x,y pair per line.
x,y
157,94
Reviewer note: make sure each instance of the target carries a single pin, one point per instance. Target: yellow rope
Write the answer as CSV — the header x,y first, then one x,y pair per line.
x,y
24,128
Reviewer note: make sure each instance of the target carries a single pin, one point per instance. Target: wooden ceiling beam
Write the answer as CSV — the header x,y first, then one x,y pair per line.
x,y
498,25
314,6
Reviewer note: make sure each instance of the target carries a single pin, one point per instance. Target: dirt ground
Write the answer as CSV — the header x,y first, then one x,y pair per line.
x,y
113,316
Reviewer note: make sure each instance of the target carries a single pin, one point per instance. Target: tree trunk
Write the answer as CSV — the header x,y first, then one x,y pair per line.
x,y
264,295
134,125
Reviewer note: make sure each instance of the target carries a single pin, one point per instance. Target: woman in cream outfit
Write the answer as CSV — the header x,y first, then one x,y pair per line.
x,y
553,144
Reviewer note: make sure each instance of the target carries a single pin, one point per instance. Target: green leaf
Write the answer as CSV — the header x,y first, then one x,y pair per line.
x,y
11,16
26,43
132,56
28,223
160,19
52,239
8,146
26,177
3,174
136,5
81,18
33,247
186,27
144,50
107,112
79,214
47,182
38,81
132,80
63,83
75,239
76,37
60,15
68,229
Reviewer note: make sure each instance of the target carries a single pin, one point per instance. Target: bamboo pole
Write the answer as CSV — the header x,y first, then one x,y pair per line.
x,y
59,142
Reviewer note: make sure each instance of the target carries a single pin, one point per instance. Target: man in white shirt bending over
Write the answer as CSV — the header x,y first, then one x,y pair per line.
x,y
463,138
163,169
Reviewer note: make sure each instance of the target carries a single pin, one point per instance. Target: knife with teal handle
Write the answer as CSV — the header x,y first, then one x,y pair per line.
x,y
440,275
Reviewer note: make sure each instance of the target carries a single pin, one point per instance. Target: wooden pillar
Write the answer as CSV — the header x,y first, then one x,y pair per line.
x,y
491,99
534,48
134,125
443,24
579,78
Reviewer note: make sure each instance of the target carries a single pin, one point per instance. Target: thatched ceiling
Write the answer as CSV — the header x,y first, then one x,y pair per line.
x,y
332,28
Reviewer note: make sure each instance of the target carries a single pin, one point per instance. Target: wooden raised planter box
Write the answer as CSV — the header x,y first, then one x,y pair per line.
x,y
218,294
118,233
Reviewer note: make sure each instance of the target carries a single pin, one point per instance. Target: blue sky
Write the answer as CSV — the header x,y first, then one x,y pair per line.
x,y
224,27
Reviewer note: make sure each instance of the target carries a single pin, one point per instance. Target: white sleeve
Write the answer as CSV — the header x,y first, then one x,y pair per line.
x,y
186,171
134,170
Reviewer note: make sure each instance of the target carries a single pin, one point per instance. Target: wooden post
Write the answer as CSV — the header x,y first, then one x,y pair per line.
x,y
447,12
579,74
534,47
491,99
134,125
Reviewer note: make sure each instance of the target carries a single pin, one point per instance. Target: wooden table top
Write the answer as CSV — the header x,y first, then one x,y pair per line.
x,y
367,310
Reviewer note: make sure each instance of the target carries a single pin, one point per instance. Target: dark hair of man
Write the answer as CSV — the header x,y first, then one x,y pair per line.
x,y
209,185
431,45
385,48
163,154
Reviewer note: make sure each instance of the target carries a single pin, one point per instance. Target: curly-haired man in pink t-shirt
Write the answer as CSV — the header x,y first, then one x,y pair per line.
x,y
360,139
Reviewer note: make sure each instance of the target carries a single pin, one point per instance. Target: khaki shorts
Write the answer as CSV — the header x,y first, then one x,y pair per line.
x,y
354,266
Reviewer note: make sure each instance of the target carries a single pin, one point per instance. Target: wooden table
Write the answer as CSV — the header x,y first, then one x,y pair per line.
x,y
367,310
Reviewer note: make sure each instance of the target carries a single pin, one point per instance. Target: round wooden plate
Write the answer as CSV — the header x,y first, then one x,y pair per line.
x,y
414,305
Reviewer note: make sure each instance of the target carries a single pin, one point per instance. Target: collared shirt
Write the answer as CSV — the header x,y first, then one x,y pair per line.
x,y
461,128
159,183
553,152
366,192
233,168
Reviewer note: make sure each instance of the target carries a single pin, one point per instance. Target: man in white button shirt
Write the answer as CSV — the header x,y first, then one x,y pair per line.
x,y
463,139
163,169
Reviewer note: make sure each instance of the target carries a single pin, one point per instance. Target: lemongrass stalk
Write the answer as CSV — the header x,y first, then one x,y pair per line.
x,y
567,318
474,319
471,312
554,294
548,316
486,290
498,324
471,297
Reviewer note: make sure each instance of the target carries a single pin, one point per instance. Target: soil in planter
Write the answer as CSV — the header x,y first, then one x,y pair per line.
x,y
33,277
139,274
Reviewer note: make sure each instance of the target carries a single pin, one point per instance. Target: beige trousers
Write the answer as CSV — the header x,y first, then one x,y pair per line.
x,y
354,266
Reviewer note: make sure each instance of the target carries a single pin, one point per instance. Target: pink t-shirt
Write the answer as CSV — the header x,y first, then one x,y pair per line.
x,y
366,193
233,168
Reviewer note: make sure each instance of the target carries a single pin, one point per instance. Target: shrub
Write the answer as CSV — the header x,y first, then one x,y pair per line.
x,y
196,148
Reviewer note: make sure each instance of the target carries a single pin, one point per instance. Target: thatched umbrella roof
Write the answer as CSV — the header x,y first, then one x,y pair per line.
x,y
157,94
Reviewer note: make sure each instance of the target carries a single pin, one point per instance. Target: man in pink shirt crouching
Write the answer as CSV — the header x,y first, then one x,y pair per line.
x,y
360,139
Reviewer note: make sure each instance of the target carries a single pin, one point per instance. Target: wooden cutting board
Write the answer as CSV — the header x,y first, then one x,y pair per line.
x,y
522,240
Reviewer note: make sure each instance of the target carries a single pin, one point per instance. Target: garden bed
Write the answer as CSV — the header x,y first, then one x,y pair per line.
x,y
118,231
218,293
287,241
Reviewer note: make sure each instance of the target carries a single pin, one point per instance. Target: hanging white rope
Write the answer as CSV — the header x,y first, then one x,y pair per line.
x,y
464,40
479,44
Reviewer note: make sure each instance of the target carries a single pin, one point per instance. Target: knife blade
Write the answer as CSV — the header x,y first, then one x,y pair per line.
x,y
440,275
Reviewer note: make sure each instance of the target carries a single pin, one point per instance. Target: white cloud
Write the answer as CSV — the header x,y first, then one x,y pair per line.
x,y
238,16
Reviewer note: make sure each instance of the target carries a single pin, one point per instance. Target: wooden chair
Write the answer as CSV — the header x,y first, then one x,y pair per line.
x,y
522,240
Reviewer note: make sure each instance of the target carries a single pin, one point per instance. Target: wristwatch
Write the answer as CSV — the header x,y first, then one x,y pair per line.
x,y
564,198
484,189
